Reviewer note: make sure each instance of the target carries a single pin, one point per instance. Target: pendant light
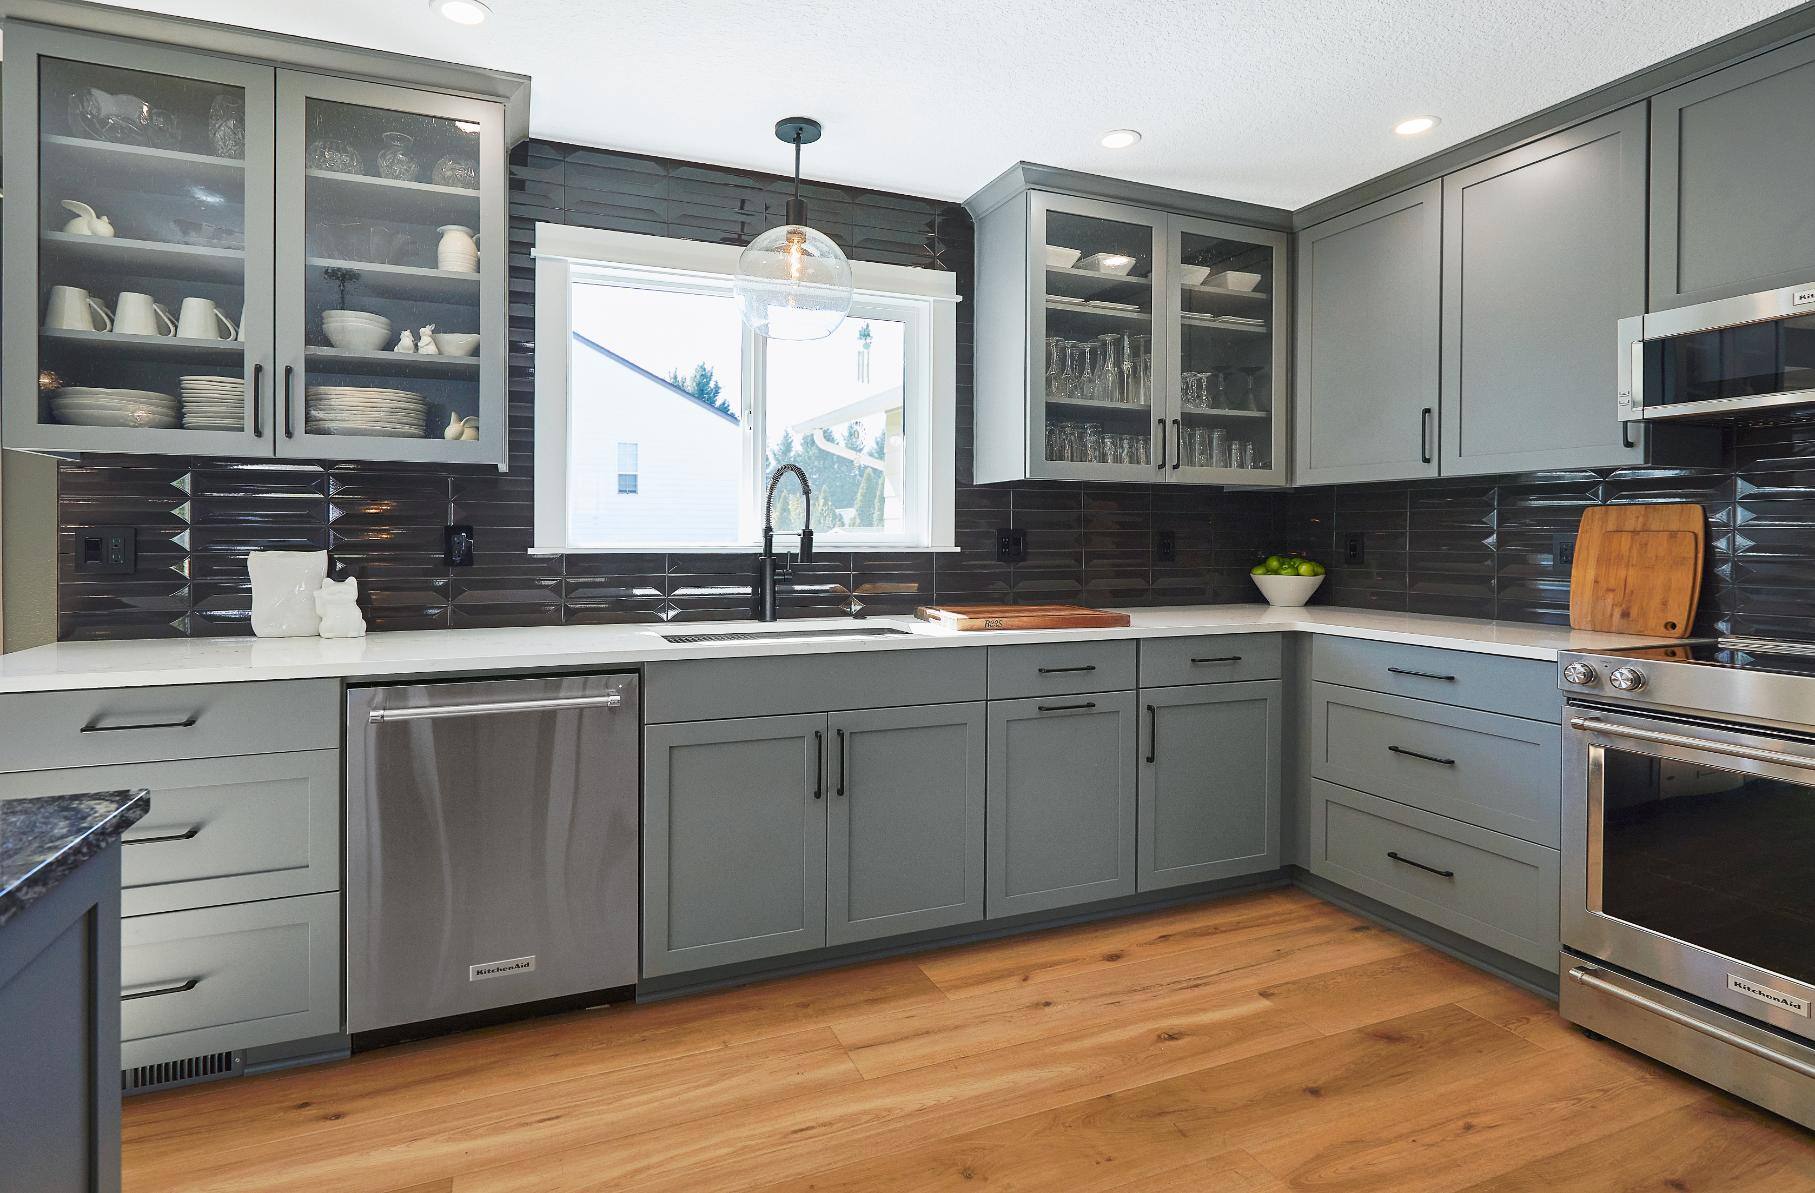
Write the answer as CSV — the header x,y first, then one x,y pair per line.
x,y
793,283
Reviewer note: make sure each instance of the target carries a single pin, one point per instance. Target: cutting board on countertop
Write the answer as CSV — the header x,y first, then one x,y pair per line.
x,y
1638,569
1020,617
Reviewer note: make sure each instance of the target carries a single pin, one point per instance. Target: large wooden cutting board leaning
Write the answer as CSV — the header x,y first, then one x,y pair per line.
x,y
1638,569
1020,617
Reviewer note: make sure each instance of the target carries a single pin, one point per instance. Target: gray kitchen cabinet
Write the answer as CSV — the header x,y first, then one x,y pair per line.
x,y
1061,800
1209,783
734,841
1732,169
1543,252
904,837
1367,373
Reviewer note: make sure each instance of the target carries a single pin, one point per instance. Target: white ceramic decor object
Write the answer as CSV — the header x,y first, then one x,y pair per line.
x,y
405,342
425,342
1287,591
458,250
86,222
284,584
337,603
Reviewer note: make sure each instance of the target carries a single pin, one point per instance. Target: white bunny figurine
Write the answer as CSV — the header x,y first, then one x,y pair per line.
x,y
425,342
405,342
337,602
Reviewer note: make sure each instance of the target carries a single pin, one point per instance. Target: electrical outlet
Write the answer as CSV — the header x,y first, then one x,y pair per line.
x,y
1165,547
1011,545
1354,547
1562,551
107,550
457,549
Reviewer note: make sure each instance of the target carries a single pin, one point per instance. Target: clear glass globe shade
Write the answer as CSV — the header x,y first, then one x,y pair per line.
x,y
793,284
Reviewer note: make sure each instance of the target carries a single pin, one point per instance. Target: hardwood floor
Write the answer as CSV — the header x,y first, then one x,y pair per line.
x,y
1265,1043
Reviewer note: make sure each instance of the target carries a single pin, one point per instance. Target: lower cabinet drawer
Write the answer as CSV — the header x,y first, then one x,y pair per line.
x,y
220,830
1493,889
1498,772
224,978
1517,687
1209,658
1061,668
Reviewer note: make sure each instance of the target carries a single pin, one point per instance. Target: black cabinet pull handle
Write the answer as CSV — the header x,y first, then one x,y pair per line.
x,y
1153,733
157,991
186,723
1067,670
1221,658
819,765
1066,707
1425,757
258,405
1626,436
190,835
844,762
1406,861
1420,674
289,426
1178,444
1424,435
1162,455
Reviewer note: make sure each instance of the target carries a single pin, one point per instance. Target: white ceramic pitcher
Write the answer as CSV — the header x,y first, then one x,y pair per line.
x,y
458,250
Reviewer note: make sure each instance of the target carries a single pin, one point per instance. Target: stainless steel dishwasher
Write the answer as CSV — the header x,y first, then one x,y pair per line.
x,y
491,847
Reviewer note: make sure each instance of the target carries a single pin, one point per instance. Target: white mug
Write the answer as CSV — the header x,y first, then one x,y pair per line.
x,y
200,319
71,309
138,315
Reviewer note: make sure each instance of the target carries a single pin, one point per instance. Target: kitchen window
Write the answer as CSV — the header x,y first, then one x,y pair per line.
x,y
660,417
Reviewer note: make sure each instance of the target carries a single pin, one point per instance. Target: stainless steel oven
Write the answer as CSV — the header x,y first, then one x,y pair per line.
x,y
1714,360
1689,896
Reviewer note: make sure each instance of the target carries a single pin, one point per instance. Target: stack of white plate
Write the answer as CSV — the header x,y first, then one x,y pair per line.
x,y
366,410
214,403
83,406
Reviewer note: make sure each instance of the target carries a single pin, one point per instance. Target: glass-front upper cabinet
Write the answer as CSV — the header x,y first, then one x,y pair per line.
x,y
1227,353
1096,406
391,264
138,243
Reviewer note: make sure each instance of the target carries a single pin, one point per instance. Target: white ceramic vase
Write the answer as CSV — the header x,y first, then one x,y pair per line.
x,y
284,584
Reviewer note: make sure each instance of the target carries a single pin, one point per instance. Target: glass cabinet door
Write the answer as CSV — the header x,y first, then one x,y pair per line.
x,y
391,272
1096,398
141,226
1227,371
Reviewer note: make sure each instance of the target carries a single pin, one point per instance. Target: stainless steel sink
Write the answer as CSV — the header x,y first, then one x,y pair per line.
x,y
786,635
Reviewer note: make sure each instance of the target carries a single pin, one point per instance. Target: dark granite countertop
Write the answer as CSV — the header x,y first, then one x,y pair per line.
x,y
42,840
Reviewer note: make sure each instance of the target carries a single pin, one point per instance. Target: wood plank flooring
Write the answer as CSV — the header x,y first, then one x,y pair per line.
x,y
1265,1043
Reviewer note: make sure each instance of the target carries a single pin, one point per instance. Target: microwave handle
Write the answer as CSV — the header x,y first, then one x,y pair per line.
x,y
1683,741
1632,365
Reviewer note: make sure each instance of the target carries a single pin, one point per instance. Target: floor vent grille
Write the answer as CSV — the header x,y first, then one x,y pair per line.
x,y
171,1073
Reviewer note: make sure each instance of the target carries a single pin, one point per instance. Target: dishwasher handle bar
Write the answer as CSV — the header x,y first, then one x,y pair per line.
x,y
491,708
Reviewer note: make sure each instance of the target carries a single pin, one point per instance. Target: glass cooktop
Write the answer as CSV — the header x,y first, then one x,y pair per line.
x,y
1742,654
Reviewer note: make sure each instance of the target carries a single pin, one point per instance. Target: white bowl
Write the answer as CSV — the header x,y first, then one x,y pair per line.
x,y
353,317
354,337
1193,275
1235,280
1114,264
1060,257
456,343
1287,591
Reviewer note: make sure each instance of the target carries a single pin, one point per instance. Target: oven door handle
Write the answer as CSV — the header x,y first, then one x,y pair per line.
x,y
1588,976
1683,741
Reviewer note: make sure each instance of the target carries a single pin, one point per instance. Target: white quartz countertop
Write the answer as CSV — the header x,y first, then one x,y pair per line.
x,y
70,666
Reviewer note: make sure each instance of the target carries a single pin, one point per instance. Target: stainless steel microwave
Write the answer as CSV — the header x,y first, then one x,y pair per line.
x,y
1723,359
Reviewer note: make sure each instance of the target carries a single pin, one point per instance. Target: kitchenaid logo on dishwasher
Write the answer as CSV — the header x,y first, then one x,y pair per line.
x,y
1777,998
500,969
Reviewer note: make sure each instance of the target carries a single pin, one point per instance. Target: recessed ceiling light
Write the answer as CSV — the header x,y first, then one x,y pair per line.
x,y
1120,138
462,12
1416,125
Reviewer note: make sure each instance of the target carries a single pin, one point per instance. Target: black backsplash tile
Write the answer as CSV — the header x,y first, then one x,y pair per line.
x,y
1476,547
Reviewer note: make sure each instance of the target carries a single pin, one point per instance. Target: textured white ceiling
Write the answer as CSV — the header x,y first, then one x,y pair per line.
x,y
1273,101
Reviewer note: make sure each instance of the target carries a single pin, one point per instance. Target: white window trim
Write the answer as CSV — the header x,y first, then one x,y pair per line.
x,y
561,251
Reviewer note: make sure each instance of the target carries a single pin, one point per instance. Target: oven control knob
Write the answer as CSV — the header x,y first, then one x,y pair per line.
x,y
1627,679
1580,674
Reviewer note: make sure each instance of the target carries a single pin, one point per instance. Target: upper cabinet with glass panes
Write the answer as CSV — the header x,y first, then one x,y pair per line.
x,y
1122,342
225,257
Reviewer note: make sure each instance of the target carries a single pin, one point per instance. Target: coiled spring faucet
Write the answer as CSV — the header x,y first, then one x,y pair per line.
x,y
770,567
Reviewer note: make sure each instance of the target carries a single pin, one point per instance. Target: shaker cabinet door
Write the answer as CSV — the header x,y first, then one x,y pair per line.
x,y
1543,254
734,841
1209,783
1732,169
1061,799
1367,368
905,821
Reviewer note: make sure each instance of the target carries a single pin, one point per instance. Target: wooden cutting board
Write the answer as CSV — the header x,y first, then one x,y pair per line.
x,y
1020,617
1638,569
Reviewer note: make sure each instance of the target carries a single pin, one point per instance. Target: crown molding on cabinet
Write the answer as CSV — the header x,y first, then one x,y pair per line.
x,y
1024,176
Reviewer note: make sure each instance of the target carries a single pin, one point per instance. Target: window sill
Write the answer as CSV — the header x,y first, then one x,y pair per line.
x,y
820,546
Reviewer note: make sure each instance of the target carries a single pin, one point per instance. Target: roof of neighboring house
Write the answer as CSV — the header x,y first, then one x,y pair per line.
x,y
666,384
